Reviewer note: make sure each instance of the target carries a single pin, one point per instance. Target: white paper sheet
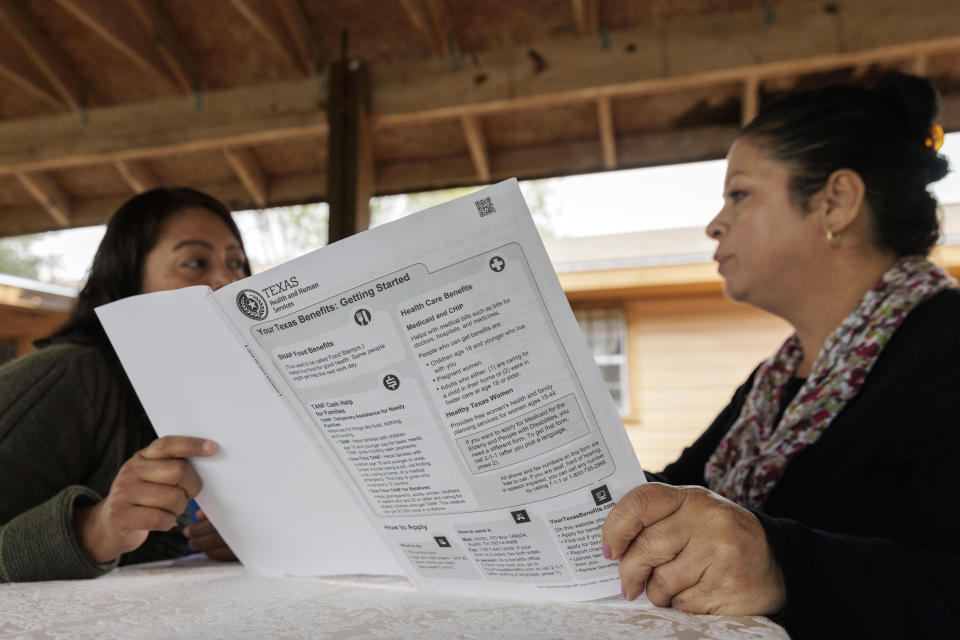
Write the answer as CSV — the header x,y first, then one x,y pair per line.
x,y
417,396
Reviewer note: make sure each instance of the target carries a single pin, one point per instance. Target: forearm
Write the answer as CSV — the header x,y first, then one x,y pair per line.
x,y
842,586
40,543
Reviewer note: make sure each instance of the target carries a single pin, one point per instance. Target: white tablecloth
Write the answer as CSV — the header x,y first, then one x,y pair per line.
x,y
202,599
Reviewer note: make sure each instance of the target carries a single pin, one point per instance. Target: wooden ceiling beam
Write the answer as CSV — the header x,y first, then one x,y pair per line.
x,y
247,169
680,145
119,29
608,135
180,61
48,193
137,175
31,303
477,146
45,56
562,158
684,54
232,118
272,23
579,70
291,189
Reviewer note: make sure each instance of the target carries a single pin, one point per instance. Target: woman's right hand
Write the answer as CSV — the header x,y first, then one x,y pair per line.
x,y
151,489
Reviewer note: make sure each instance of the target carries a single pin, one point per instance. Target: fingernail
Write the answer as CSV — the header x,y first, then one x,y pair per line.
x,y
606,551
186,532
623,592
209,446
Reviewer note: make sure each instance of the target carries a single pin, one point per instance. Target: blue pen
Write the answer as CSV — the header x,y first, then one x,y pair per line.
x,y
192,508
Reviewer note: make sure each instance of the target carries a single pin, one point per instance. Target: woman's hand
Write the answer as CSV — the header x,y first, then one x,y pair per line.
x,y
203,536
151,489
694,550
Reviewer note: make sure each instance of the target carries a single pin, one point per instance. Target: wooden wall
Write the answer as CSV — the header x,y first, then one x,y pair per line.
x,y
22,326
687,355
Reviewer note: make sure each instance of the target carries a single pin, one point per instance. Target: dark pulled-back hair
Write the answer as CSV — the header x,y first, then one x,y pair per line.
x,y
117,270
881,134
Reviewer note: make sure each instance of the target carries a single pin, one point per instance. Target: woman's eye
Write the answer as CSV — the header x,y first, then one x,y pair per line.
x,y
194,264
737,194
238,264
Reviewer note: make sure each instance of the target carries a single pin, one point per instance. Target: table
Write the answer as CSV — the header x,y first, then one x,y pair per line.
x,y
198,598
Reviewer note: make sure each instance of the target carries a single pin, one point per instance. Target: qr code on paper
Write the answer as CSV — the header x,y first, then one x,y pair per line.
x,y
485,207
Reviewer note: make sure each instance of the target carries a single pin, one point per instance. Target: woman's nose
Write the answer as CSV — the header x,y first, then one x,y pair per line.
x,y
715,228
221,277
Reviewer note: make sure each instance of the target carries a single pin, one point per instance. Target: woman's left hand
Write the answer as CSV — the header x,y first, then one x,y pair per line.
x,y
202,536
694,550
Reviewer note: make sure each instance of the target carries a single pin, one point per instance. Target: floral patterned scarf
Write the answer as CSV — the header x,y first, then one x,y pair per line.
x,y
753,454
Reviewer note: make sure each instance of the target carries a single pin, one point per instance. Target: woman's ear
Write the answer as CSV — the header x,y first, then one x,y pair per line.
x,y
842,200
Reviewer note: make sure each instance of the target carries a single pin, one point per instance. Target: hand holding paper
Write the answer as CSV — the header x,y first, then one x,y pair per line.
x,y
151,489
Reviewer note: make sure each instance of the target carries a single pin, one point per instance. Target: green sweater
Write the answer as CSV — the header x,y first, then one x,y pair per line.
x,y
69,419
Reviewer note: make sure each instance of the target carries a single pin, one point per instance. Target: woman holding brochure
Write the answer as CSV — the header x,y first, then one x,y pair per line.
x,y
832,494
84,482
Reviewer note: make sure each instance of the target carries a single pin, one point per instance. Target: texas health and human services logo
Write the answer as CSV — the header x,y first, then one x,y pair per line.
x,y
252,304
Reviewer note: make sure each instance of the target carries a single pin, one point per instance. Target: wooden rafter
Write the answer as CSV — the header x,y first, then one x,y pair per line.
x,y
137,175
48,193
477,146
557,158
304,42
398,176
248,116
608,136
273,20
693,53
432,21
121,30
168,43
442,25
418,18
413,92
586,16
247,169
16,68
44,55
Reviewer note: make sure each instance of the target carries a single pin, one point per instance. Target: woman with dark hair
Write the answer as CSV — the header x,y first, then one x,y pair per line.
x,y
85,483
825,492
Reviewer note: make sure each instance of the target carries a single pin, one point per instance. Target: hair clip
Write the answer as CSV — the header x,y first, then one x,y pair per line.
x,y
934,139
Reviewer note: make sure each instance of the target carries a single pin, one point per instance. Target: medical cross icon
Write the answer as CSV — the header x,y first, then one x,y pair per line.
x,y
497,264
